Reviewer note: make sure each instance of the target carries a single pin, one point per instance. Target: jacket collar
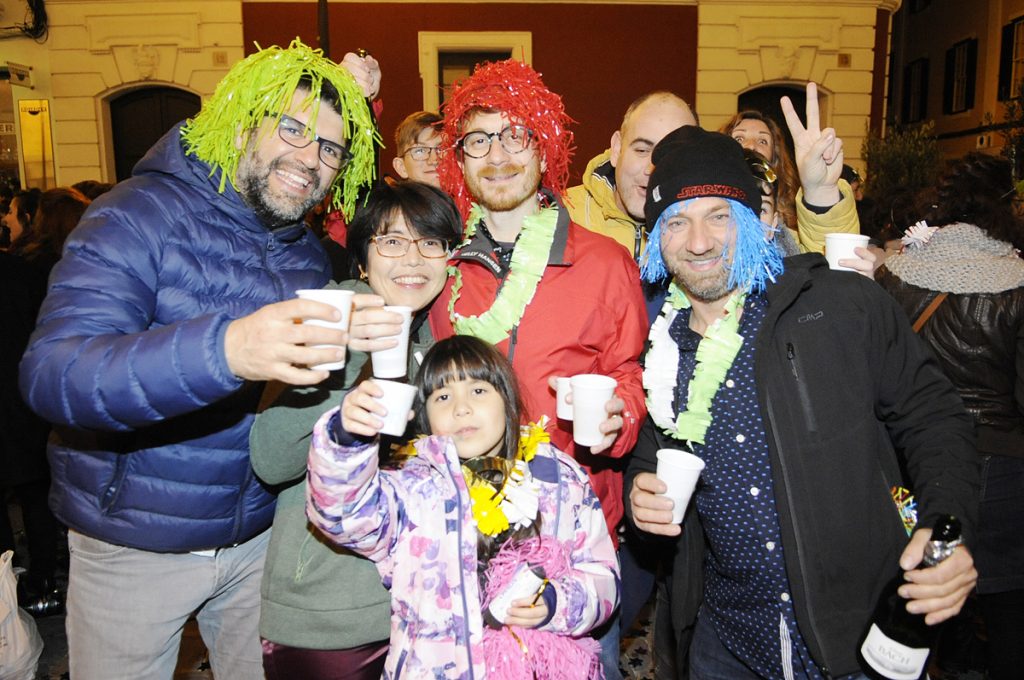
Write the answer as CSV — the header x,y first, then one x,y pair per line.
x,y
796,277
599,180
480,249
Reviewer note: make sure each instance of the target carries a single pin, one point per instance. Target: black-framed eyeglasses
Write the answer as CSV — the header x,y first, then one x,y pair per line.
x,y
293,133
422,153
396,245
513,139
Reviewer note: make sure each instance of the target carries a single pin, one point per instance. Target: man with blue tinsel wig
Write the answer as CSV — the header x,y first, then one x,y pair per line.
x,y
810,400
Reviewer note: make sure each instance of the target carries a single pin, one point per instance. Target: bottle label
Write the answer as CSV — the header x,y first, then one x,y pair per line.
x,y
892,659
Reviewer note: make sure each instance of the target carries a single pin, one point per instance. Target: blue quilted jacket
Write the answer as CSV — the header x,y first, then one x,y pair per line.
x,y
152,428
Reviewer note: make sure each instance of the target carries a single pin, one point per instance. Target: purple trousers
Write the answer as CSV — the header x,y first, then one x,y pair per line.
x,y
281,662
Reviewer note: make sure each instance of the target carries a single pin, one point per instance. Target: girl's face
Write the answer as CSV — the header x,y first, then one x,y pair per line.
x,y
11,221
410,280
472,413
754,134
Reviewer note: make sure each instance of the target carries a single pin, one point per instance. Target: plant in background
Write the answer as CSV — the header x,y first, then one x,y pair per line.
x,y
899,167
907,159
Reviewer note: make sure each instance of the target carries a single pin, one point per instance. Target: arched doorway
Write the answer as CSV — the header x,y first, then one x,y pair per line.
x,y
140,117
766,100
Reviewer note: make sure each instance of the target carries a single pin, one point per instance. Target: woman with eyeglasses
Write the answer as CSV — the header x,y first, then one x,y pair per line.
x,y
325,613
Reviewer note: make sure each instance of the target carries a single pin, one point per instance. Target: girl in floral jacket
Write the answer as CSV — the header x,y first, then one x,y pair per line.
x,y
469,515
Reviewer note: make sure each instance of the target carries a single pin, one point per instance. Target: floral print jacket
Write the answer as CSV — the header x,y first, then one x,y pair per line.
x,y
417,525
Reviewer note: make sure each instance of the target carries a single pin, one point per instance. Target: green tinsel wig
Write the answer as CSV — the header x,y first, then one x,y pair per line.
x,y
262,85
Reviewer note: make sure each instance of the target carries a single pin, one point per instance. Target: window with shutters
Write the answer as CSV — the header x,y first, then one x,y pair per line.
x,y
1011,59
960,76
915,91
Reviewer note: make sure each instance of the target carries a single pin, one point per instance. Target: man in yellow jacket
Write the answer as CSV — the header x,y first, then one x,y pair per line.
x,y
611,199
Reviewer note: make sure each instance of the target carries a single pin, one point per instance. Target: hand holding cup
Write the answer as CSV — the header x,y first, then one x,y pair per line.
x,y
680,471
394,362
269,345
865,261
377,407
842,247
340,300
595,410
373,327
608,426
651,510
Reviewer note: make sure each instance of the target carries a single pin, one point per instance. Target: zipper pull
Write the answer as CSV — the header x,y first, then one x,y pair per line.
x,y
791,355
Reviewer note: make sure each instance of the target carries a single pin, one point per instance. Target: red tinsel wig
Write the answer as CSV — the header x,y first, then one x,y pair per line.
x,y
513,88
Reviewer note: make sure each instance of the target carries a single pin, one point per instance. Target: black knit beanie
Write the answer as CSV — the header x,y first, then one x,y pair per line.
x,y
693,163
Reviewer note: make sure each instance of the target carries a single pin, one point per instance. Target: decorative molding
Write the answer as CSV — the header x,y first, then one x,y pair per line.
x,y
146,60
756,33
106,31
431,43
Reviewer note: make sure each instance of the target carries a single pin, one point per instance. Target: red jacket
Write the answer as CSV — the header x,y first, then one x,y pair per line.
x,y
587,316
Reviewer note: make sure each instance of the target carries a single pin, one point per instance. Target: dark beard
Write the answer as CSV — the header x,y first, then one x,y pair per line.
x,y
254,188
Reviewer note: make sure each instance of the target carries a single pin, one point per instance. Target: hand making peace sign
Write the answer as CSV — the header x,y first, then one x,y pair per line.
x,y
818,153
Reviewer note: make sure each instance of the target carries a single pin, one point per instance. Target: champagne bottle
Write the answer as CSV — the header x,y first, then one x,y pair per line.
x,y
898,643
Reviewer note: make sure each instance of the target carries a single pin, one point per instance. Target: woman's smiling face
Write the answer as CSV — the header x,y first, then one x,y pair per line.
x,y
410,280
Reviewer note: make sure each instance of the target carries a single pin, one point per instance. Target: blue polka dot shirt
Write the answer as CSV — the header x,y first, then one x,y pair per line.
x,y
747,595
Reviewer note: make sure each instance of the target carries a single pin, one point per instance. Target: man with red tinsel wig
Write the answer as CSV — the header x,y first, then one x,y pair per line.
x,y
557,299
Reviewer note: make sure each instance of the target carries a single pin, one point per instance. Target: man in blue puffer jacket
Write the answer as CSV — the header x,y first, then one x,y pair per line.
x,y
172,304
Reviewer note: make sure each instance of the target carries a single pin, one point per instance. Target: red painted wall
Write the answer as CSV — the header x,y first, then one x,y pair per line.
x,y
598,57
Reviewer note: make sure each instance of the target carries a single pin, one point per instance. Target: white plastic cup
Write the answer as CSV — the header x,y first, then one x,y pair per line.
x,y
840,247
397,399
590,395
394,362
524,584
680,471
563,409
340,300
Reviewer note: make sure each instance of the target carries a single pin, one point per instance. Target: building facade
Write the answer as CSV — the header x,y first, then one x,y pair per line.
x,y
112,73
957,63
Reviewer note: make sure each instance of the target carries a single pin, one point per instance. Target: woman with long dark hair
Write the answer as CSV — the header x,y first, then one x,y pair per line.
x,y
757,132
26,476
18,217
56,214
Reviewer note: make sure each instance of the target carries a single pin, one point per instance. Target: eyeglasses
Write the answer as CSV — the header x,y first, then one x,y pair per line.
x,y
422,153
293,133
395,245
513,139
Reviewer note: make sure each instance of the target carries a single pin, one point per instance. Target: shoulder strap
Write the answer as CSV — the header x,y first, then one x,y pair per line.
x,y
928,311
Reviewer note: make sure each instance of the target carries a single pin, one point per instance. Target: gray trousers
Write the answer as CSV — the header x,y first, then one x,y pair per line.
x,y
126,609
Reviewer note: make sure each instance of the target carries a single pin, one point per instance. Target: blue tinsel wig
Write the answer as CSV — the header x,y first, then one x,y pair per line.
x,y
753,262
